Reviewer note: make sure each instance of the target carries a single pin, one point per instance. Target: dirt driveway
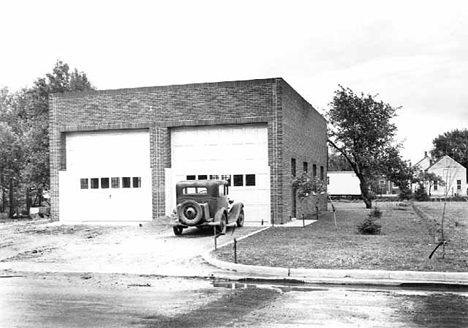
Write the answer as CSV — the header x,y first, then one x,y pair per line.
x,y
41,246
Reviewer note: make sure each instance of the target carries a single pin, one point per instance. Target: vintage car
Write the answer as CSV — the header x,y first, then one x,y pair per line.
x,y
205,203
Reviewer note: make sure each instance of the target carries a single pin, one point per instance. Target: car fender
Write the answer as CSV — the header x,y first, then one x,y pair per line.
x,y
234,212
219,214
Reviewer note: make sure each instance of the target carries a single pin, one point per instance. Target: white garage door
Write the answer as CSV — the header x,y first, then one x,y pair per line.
x,y
237,153
108,177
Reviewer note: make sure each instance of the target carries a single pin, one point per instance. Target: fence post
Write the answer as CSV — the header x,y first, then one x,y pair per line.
x,y
235,250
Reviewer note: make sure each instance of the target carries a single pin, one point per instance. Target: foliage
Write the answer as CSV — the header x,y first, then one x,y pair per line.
x,y
454,144
420,194
430,179
362,131
306,186
337,162
370,225
24,130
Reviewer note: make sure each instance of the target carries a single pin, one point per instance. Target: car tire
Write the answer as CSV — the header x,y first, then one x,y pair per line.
x,y
190,213
240,219
222,224
177,230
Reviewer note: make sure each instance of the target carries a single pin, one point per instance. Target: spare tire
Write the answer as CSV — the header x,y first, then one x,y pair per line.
x,y
190,213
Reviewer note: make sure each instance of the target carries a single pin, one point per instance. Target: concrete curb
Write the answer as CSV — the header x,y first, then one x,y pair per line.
x,y
368,277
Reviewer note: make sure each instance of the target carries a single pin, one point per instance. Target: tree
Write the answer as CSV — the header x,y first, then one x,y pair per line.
x,y
362,131
11,163
398,171
430,179
34,112
454,144
24,131
337,162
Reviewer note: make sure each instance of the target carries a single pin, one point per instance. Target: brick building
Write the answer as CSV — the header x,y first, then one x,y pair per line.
x,y
117,154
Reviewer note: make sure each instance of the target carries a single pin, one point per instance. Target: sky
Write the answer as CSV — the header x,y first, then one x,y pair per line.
x,y
410,54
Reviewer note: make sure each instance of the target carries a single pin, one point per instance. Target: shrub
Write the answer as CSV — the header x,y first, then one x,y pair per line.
x,y
421,195
376,213
370,225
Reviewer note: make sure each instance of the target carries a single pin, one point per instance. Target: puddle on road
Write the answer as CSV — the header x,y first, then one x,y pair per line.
x,y
283,287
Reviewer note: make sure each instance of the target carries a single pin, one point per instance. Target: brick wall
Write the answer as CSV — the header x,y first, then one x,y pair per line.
x,y
305,140
158,109
270,101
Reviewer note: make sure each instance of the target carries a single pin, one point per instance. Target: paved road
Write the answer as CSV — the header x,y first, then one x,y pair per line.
x,y
136,301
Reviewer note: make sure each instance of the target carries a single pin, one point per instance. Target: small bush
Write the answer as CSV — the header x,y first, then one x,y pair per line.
x,y
376,213
421,195
369,226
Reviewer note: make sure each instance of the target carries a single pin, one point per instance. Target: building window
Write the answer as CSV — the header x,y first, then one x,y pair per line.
x,y
126,182
136,182
328,180
250,179
436,185
226,177
458,184
238,180
104,183
115,182
94,183
305,167
203,177
293,167
84,183
214,177
322,173
314,170
191,177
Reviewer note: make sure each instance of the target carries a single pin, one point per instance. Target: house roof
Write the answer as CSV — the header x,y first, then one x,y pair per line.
x,y
443,158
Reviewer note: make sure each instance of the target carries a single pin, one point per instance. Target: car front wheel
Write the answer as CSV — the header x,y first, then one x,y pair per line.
x,y
240,219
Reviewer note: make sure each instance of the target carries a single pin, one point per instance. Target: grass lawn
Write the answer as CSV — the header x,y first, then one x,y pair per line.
x,y
406,241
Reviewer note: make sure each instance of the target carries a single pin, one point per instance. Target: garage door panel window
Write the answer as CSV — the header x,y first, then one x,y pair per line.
x,y
104,183
136,182
250,179
238,180
84,183
126,182
115,182
95,183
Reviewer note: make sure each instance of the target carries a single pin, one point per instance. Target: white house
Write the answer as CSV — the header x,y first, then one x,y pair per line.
x,y
343,183
452,172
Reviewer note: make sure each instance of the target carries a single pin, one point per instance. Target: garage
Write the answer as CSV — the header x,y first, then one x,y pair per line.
x,y
107,176
237,153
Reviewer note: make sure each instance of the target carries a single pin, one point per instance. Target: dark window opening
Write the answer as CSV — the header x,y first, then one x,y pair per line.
x,y
293,167
191,177
314,170
203,177
136,182
305,167
238,180
115,182
84,183
126,182
226,177
214,177
104,183
94,183
250,179
322,173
